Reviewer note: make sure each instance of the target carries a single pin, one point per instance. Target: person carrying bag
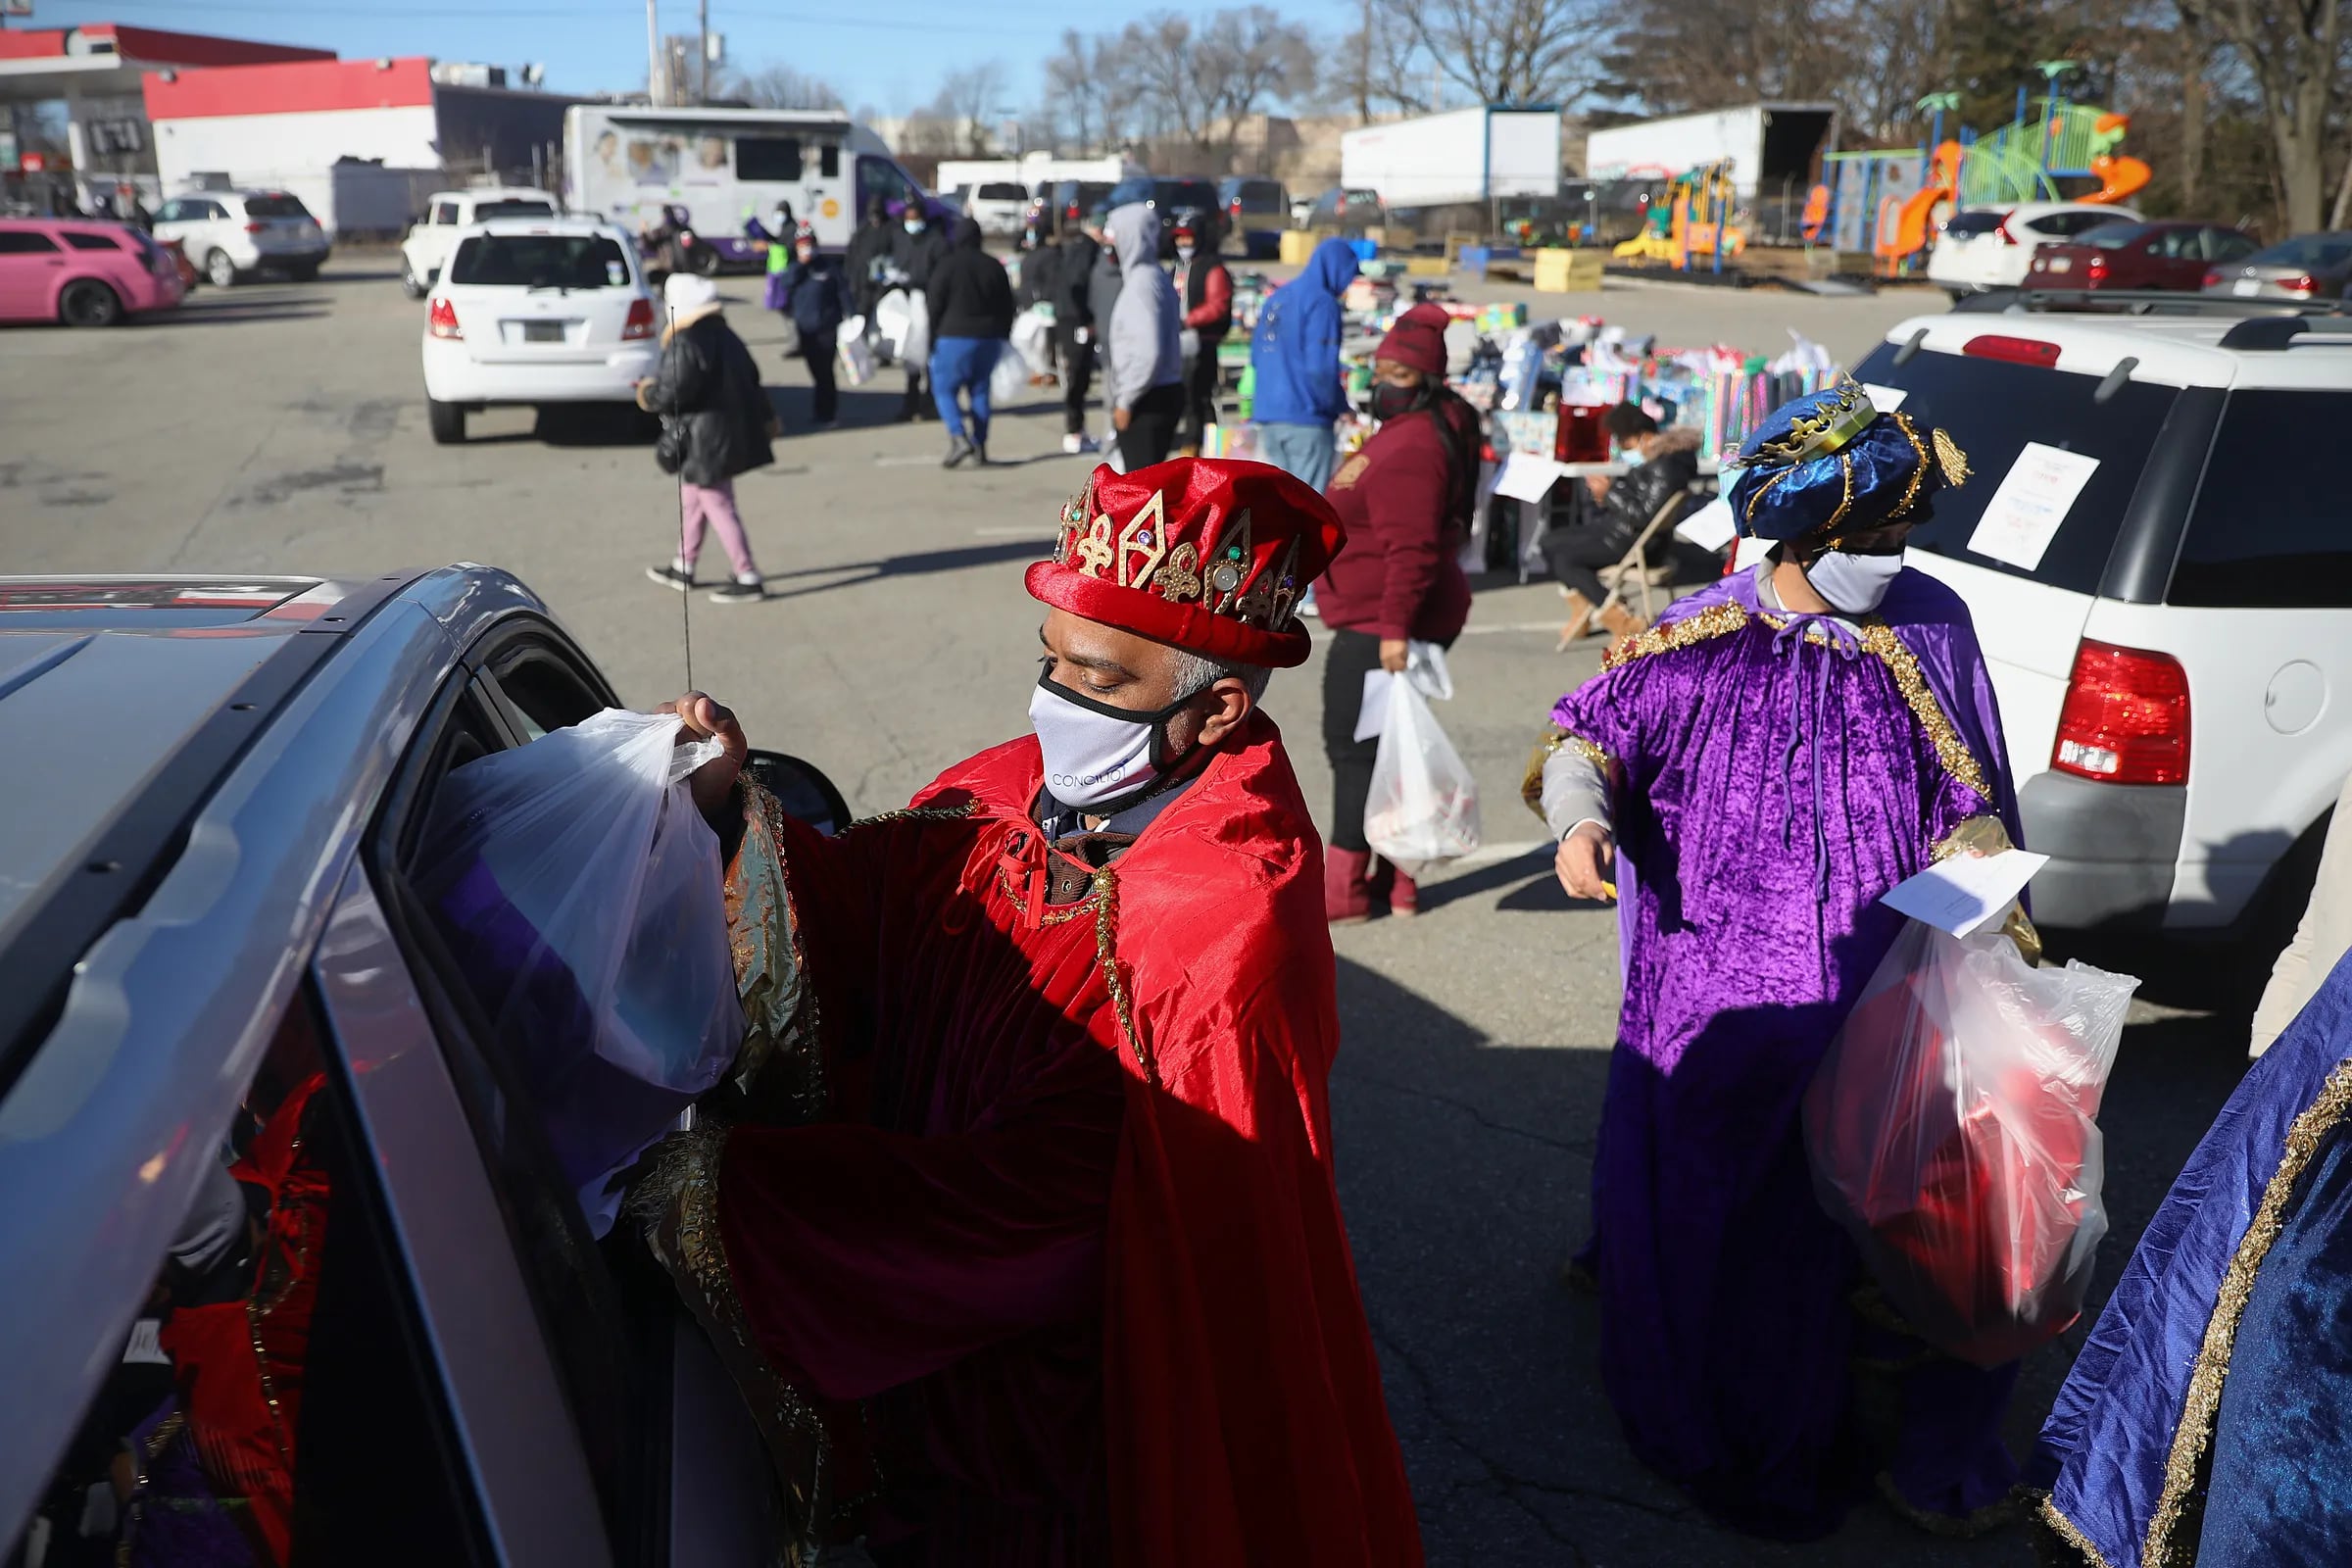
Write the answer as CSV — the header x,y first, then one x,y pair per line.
x,y
717,424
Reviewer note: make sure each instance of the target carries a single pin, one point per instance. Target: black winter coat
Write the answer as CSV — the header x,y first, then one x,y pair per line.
x,y
869,245
1073,282
917,255
707,380
969,294
820,296
1635,498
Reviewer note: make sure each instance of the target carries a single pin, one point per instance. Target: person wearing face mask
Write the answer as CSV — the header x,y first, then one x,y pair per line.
x,y
1406,499
1206,290
1144,347
817,296
1664,464
1053,1216
1775,756
916,249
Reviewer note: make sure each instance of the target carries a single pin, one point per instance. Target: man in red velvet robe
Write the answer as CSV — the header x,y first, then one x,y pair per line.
x,y
1049,1264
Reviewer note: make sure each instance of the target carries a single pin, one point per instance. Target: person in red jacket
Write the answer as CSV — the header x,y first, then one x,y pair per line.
x,y
1405,500
1206,289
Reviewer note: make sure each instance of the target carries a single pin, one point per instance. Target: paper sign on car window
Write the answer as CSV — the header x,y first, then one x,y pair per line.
x,y
2023,515
1884,399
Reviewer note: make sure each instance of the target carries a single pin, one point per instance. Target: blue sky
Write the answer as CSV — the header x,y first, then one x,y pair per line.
x,y
887,53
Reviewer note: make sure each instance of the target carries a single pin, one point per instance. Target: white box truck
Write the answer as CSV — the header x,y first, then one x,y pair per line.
x,y
1461,155
1774,149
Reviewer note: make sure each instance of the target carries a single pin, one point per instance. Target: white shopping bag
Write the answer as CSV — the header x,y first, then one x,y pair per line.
x,y
1423,805
857,356
903,318
1009,379
1033,339
579,892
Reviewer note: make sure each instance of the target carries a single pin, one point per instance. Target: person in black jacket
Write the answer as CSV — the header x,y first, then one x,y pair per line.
x,y
971,317
869,255
1074,328
1664,464
707,393
818,299
1204,288
916,248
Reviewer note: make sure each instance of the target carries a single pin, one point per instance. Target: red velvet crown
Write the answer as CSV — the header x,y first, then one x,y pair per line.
x,y
1209,554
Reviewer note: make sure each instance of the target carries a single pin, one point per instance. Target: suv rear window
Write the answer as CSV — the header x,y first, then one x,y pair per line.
x,y
1968,226
1992,408
513,207
1003,192
275,207
2064,225
1260,196
2269,529
1198,193
541,260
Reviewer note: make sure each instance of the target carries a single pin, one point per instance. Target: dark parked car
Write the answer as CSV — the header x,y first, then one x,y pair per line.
x,y
1341,210
2309,267
1257,212
1073,200
212,941
2137,256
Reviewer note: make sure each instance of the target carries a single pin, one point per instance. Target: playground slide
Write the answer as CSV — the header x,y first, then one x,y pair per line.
x,y
1911,224
2120,177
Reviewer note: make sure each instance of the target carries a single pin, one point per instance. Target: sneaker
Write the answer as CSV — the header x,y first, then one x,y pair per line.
x,y
1074,443
1307,603
741,591
672,575
959,449
980,453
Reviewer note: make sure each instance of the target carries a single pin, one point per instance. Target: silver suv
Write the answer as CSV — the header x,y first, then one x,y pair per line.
x,y
214,788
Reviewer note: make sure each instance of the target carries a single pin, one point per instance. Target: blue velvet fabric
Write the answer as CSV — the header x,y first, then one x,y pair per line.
x,y
2282,1485
1862,486
2102,1453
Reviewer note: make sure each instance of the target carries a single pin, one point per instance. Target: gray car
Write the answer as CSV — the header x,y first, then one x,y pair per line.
x,y
215,790
2309,267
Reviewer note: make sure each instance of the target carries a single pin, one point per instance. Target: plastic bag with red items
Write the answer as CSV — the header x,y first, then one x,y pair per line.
x,y
1952,1130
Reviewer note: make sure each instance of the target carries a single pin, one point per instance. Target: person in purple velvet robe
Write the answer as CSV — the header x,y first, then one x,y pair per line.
x,y
1747,779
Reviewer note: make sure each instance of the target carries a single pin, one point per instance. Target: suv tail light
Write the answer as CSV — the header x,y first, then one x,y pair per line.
x,y
2096,267
2022,350
256,227
2126,718
641,319
2002,230
2212,279
444,321
2304,285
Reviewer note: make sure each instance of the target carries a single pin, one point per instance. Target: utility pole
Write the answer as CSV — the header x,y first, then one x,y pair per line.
x,y
703,8
653,55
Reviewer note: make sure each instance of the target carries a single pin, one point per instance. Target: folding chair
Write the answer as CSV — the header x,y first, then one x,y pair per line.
x,y
1634,564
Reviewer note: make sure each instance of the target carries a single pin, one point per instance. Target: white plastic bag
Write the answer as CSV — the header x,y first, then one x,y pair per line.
x,y
1423,805
903,318
857,356
1952,1131
579,890
1033,338
1009,379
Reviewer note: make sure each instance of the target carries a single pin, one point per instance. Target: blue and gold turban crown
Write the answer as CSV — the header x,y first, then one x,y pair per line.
x,y
1830,463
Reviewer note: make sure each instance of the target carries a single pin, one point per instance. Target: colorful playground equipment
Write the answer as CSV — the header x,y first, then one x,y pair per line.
x,y
1694,219
1891,203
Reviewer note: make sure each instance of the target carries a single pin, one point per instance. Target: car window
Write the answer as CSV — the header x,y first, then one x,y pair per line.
x,y
879,176
828,160
768,158
1968,226
213,212
1993,409
2064,225
2226,245
2307,251
2114,236
25,242
90,240
2268,531
270,1396
445,213
513,207
275,207
544,689
1000,191
169,212
540,260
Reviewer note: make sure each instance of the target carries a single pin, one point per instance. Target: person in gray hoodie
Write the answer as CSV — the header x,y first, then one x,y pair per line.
x,y
1146,362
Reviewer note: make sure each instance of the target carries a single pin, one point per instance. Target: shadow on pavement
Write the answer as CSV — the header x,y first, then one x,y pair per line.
x,y
233,313
920,563
1464,1164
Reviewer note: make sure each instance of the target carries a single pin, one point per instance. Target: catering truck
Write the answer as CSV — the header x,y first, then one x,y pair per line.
x,y
1460,157
629,163
1774,149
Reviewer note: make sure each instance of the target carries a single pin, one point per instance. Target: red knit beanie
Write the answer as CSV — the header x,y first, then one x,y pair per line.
x,y
1418,340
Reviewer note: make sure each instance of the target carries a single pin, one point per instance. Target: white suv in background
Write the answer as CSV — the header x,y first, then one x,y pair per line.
x,y
230,235
1991,247
997,205
2163,591
536,312
425,249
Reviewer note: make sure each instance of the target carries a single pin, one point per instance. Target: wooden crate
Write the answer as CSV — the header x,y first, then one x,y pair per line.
x,y
1568,271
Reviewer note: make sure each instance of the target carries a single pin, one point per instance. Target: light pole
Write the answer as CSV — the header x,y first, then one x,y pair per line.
x,y
653,55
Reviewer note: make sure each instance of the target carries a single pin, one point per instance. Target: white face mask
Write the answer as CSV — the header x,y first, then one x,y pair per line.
x,y
1096,752
1853,585
1184,253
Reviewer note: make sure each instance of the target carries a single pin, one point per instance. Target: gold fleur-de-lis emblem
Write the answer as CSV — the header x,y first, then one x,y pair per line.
x,y
1178,579
1095,552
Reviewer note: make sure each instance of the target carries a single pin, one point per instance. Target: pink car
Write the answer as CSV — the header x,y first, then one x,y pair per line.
x,y
83,272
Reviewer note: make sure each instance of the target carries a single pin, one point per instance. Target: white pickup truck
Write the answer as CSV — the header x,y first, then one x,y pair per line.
x,y
425,248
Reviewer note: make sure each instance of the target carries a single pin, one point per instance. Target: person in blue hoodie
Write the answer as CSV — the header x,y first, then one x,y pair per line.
x,y
1296,355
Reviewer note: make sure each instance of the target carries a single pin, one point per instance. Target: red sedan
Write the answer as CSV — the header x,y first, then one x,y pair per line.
x,y
2130,255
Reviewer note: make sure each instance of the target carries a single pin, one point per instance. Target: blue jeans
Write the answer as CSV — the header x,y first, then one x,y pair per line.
x,y
1302,451
963,363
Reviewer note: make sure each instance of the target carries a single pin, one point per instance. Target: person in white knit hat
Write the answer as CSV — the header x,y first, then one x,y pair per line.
x,y
720,425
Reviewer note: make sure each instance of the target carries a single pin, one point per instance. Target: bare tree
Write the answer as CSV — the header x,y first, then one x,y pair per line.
x,y
1246,60
2293,50
1071,89
1377,64
783,87
1159,52
968,100
1511,51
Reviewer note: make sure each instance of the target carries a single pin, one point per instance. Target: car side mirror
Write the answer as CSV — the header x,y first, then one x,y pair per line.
x,y
802,789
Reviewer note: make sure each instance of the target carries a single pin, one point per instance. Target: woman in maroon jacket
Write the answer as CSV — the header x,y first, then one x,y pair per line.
x,y
1405,500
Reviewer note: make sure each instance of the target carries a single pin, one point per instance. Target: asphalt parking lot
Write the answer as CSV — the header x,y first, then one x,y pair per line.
x,y
281,427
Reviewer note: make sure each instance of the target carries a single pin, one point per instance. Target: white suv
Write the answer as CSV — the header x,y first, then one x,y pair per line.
x,y
425,249
534,313
2156,552
230,235
997,206
1991,247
